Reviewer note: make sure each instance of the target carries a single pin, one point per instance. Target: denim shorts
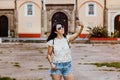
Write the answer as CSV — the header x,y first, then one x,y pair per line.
x,y
63,69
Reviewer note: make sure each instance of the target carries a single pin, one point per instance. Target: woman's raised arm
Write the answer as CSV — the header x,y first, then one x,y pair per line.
x,y
78,32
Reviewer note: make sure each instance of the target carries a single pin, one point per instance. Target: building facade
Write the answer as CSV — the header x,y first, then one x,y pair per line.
x,y
34,18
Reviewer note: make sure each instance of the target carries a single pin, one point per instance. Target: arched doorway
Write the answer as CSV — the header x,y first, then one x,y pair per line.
x,y
61,18
117,23
3,26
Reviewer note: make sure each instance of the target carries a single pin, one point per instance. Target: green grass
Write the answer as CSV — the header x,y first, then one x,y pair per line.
x,y
40,67
16,64
40,79
6,78
113,64
1,52
43,68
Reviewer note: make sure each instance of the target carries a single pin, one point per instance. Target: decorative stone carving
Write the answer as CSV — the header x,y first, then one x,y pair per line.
x,y
51,9
9,14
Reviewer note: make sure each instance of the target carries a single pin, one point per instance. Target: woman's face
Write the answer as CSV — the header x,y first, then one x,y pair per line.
x,y
60,29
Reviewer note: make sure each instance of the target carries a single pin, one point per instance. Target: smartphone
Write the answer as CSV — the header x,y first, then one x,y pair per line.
x,y
76,18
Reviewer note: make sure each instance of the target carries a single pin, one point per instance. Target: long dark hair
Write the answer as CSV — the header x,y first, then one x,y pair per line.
x,y
53,35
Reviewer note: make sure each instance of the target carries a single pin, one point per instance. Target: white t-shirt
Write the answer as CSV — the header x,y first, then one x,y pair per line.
x,y
62,52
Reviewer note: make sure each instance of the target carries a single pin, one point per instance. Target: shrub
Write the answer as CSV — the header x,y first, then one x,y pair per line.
x,y
115,34
98,32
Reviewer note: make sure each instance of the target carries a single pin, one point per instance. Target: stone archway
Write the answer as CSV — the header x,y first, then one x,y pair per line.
x,y
3,26
117,23
60,17
67,10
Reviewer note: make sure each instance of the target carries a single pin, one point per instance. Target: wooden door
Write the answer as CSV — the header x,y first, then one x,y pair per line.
x,y
61,18
3,26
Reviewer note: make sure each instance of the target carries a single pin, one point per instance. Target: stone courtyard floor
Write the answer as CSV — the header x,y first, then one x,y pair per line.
x,y
27,61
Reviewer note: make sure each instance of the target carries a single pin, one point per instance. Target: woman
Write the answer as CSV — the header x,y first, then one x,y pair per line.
x,y
59,53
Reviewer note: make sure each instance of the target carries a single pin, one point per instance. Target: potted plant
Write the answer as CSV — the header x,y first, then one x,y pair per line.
x,y
100,33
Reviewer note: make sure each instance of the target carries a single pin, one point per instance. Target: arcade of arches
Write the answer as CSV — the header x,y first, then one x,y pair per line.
x,y
8,27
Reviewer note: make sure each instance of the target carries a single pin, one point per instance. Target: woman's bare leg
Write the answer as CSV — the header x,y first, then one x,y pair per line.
x,y
69,77
56,77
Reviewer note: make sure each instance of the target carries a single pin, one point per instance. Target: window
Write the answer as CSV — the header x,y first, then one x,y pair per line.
x,y
29,9
91,9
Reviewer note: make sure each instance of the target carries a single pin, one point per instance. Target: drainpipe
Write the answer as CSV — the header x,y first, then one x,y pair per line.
x,y
76,12
104,15
45,19
16,23
42,18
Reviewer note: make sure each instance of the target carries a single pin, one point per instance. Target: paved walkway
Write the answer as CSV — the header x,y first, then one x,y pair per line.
x,y
27,61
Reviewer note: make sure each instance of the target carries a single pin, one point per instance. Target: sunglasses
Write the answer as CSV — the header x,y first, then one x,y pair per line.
x,y
60,28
